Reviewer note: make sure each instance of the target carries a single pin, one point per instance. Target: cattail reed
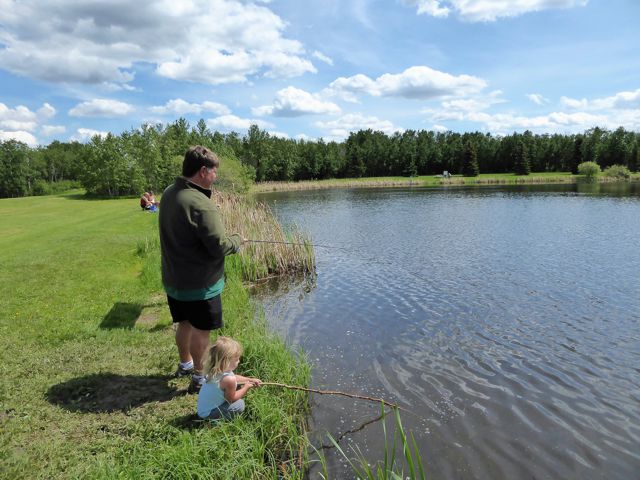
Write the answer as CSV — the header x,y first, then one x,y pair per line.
x,y
256,221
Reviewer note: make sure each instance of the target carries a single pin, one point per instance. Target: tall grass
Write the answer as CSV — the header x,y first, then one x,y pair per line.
x,y
337,183
406,465
256,221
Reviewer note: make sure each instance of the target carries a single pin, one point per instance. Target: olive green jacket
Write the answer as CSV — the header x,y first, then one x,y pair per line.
x,y
193,242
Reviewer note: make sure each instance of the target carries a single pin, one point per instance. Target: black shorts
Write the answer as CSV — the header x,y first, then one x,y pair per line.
x,y
202,314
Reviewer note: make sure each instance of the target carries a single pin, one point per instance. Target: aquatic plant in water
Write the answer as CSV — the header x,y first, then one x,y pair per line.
x,y
392,466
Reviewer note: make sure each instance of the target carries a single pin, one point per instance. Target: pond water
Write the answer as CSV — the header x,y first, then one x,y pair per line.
x,y
506,320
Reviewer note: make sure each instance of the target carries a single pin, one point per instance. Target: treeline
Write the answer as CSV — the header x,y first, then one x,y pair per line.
x,y
369,153
149,158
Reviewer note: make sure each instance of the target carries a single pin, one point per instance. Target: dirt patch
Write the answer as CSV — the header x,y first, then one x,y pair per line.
x,y
157,299
149,316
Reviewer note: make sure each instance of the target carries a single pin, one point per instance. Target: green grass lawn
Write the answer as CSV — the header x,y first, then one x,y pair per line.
x,y
88,351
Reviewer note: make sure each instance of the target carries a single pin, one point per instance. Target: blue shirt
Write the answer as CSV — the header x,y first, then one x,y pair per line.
x,y
211,395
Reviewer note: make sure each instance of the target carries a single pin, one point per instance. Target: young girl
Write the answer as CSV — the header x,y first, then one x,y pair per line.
x,y
219,396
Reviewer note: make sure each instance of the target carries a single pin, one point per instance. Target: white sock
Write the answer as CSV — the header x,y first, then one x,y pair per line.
x,y
197,378
186,365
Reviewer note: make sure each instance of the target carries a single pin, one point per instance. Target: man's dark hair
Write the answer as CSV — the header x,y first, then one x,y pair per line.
x,y
196,158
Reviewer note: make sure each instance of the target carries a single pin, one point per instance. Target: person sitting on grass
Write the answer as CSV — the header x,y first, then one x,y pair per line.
x,y
145,202
220,396
148,202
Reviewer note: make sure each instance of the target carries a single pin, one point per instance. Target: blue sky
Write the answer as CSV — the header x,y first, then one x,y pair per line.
x,y
70,69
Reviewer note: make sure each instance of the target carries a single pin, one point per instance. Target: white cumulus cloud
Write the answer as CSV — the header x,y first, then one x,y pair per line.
x,y
621,100
50,130
432,7
181,107
22,113
537,98
86,134
488,10
20,136
216,41
275,133
294,102
560,122
101,107
235,123
620,109
322,57
573,103
46,111
340,128
17,123
417,82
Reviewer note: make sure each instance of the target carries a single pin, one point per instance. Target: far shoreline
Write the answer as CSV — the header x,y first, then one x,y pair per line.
x,y
433,181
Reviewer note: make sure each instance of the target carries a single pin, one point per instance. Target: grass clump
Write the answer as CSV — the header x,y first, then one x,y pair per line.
x,y
255,221
619,172
85,382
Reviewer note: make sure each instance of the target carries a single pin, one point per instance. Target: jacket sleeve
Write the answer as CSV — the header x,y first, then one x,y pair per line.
x,y
212,234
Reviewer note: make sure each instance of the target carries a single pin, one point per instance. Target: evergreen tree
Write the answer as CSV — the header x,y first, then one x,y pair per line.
x,y
634,161
576,158
256,151
613,150
470,166
521,165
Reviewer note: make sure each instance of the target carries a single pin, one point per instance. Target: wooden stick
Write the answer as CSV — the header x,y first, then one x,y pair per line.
x,y
333,392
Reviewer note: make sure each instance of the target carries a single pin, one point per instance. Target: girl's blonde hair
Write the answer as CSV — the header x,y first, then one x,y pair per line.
x,y
220,356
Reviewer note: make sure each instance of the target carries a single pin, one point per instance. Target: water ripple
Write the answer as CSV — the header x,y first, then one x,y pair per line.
x,y
507,322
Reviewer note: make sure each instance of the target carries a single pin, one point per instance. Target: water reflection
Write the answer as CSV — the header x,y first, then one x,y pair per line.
x,y
505,318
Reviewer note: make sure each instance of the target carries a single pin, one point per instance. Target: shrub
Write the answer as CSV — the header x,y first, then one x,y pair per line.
x,y
617,171
42,187
234,177
589,169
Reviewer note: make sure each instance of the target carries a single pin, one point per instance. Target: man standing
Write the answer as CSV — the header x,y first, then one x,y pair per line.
x,y
193,245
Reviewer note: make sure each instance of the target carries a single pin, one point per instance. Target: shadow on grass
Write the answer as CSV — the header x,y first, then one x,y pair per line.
x,y
80,195
108,392
128,315
122,315
190,422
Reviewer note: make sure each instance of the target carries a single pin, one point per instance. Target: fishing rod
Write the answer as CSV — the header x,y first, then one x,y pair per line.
x,y
333,392
297,244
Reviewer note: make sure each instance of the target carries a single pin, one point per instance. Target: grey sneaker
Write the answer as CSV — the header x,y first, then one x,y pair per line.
x,y
182,372
195,386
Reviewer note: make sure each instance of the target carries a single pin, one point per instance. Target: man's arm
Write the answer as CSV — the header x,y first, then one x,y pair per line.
x,y
211,232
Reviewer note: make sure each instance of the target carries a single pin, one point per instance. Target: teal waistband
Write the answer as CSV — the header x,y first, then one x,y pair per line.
x,y
196,294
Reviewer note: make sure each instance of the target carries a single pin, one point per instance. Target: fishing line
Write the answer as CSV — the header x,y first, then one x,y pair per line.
x,y
345,249
294,244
